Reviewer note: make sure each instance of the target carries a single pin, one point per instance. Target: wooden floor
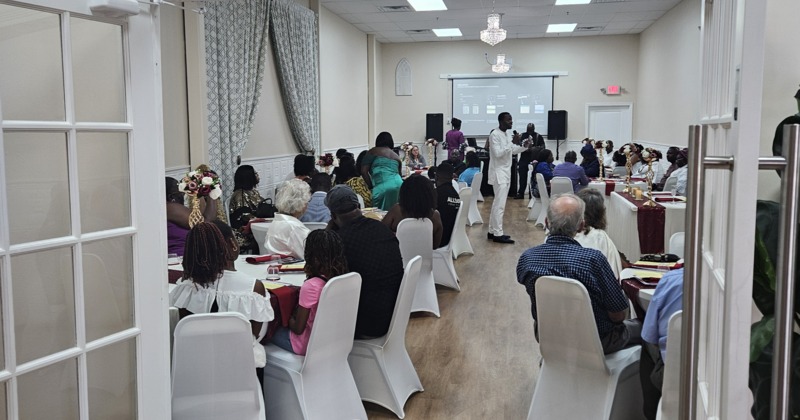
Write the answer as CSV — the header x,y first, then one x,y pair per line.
x,y
479,360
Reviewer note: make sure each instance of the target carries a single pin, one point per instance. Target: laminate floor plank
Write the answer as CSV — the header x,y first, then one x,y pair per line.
x,y
480,359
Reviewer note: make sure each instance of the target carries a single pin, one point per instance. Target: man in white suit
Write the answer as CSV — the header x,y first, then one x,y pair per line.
x,y
503,143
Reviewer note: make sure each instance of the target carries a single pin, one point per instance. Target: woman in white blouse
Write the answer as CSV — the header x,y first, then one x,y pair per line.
x,y
211,283
287,234
594,235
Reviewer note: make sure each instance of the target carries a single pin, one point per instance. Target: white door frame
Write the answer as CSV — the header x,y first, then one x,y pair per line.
x,y
600,105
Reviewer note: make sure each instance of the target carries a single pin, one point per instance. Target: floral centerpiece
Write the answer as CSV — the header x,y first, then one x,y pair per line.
x,y
406,148
431,143
628,151
199,184
648,156
325,162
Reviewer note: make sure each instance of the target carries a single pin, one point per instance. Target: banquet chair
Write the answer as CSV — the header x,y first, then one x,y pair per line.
x,y
479,193
619,171
174,317
670,389
544,197
228,209
473,215
577,381
561,185
260,232
360,201
315,225
444,272
320,383
219,381
462,184
459,241
670,183
676,244
382,369
415,236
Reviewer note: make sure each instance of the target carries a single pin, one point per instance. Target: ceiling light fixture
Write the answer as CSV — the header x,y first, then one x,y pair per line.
x,y
571,2
500,65
427,5
561,27
447,32
493,34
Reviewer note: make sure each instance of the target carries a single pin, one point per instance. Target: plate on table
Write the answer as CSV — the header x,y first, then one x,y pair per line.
x,y
174,260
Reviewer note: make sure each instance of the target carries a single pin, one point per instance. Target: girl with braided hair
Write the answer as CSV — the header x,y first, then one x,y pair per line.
x,y
325,259
211,283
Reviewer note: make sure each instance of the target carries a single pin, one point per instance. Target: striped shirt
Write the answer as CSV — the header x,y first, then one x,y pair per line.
x,y
565,257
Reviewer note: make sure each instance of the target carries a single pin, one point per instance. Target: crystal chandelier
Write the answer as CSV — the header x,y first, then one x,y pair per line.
x,y
493,34
500,66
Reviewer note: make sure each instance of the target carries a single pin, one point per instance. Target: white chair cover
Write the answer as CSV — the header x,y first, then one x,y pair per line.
x,y
676,244
260,231
320,383
315,225
382,369
479,193
577,381
462,184
670,389
620,171
459,241
560,185
444,272
670,183
213,372
415,236
360,201
474,216
544,197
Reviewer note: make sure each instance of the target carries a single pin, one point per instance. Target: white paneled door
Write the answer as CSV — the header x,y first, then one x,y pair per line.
x,y
610,122
730,102
83,331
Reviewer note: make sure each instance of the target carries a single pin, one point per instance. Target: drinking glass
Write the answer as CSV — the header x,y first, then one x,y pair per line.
x,y
273,273
674,192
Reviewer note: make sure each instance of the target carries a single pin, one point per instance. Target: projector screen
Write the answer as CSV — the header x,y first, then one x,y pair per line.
x,y
477,102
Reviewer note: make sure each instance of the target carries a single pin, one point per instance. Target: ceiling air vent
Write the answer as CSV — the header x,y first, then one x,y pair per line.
x,y
392,9
589,28
419,32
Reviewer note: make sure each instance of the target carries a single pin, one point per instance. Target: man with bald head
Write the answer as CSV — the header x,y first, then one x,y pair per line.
x,y
563,256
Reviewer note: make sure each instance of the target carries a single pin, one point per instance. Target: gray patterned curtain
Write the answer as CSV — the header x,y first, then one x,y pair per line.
x,y
293,34
236,47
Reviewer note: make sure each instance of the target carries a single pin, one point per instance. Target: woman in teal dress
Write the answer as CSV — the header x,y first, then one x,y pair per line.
x,y
381,171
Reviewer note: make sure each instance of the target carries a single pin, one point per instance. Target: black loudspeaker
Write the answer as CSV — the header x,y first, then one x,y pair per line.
x,y
557,125
434,127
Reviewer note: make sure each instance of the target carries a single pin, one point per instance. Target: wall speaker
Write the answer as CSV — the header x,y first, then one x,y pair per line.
x,y
557,125
434,127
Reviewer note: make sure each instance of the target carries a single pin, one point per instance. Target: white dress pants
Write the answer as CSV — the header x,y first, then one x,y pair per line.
x,y
498,208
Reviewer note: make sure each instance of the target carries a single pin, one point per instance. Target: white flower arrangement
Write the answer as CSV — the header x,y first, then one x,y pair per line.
x,y
431,142
201,184
407,146
626,149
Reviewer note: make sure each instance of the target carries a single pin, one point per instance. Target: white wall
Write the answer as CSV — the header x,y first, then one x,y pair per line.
x,y
668,96
781,79
592,63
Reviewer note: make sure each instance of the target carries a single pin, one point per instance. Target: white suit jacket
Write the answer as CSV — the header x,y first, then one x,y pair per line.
x,y
500,151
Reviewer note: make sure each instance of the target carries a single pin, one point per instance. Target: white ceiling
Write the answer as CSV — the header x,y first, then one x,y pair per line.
x,y
521,18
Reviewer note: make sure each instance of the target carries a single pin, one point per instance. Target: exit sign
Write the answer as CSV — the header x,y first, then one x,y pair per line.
x,y
612,90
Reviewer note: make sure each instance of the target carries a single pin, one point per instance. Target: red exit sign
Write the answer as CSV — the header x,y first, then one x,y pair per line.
x,y
612,90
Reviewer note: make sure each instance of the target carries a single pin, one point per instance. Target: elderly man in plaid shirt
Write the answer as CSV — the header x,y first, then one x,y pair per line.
x,y
562,256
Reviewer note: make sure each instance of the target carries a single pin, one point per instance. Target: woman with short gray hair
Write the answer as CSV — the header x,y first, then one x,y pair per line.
x,y
287,234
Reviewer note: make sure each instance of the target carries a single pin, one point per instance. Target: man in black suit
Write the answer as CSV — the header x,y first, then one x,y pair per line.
x,y
526,157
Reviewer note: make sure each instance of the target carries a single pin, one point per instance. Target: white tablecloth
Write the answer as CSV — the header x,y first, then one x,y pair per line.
x,y
256,271
618,187
624,229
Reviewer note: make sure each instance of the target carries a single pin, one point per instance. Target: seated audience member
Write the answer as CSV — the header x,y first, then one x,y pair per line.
x,y
324,255
590,164
619,156
561,255
456,161
569,169
303,168
682,172
447,201
221,215
544,166
178,216
672,155
211,283
287,234
593,234
667,299
432,173
244,206
417,201
608,155
473,167
350,176
339,154
317,211
415,159
372,251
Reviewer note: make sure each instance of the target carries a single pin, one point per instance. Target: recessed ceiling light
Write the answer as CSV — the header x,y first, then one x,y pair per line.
x,y
561,27
426,5
570,2
447,32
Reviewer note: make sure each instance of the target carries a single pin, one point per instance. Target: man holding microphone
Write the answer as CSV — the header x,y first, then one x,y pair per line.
x,y
503,143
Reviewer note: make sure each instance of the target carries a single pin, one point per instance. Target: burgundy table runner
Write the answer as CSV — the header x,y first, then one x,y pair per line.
x,y
650,221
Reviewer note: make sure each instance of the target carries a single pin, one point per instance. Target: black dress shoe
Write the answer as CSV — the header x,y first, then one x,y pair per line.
x,y
519,197
489,236
505,239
